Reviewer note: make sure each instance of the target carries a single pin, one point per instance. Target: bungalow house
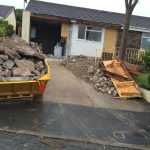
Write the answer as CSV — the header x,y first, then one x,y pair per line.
x,y
7,13
80,30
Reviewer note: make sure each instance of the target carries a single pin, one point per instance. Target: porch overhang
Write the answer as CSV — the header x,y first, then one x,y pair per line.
x,y
73,20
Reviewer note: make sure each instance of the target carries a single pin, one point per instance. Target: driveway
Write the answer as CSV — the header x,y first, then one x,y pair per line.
x,y
65,87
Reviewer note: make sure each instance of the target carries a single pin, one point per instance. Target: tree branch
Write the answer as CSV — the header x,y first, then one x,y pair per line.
x,y
126,3
134,4
130,3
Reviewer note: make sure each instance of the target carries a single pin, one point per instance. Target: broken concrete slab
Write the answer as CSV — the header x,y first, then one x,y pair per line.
x,y
8,64
27,51
25,64
12,54
21,72
3,57
8,73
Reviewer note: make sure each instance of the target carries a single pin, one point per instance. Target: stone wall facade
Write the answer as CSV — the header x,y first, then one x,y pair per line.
x,y
134,39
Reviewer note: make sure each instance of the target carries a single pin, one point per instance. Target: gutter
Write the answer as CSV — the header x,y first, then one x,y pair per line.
x,y
140,29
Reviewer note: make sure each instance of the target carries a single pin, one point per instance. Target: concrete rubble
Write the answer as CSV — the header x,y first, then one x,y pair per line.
x,y
112,77
90,70
103,83
20,60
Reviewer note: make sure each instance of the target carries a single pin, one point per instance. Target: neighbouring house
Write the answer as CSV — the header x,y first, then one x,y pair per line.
x,y
7,13
81,31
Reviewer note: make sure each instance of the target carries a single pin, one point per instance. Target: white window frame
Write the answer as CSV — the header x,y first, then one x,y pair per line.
x,y
147,37
86,29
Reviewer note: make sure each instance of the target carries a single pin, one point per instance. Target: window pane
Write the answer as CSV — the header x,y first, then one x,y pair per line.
x,y
146,35
145,43
81,32
94,28
93,36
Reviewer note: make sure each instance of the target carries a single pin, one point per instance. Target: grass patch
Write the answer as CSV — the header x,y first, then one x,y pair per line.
x,y
144,81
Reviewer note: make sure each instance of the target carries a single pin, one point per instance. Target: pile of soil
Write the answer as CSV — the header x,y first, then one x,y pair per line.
x,y
90,70
79,65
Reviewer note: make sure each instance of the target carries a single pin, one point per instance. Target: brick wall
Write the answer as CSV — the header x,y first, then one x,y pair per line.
x,y
134,39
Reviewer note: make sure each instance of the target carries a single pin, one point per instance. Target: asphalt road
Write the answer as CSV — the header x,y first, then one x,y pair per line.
x,y
64,121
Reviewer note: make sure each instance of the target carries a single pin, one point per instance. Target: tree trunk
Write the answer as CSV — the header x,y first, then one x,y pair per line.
x,y
123,47
130,5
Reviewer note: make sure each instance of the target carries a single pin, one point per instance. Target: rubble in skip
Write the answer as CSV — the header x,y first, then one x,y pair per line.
x,y
20,60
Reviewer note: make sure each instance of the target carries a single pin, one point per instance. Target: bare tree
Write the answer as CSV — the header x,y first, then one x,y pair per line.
x,y
130,5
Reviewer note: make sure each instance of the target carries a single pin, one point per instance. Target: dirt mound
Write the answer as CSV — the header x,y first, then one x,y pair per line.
x,y
90,70
79,65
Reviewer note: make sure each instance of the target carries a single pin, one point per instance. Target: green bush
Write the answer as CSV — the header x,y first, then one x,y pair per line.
x,y
6,29
146,59
144,81
18,13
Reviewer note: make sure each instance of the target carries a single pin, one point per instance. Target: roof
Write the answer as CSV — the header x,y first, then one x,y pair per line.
x,y
5,11
85,14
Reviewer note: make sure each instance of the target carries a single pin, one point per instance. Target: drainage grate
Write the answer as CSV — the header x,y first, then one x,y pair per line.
x,y
119,135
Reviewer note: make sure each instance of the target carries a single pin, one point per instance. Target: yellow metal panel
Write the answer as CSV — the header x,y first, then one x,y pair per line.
x,y
64,29
110,40
21,89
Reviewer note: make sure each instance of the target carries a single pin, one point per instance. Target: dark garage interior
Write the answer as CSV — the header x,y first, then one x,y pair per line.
x,y
46,33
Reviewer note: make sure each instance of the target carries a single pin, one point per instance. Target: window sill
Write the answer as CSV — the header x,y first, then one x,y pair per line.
x,y
88,41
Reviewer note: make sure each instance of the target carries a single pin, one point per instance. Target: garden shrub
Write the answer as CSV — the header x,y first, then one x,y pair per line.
x,y
6,29
146,59
144,81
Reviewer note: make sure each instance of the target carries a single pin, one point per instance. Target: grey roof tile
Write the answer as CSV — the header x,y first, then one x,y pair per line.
x,y
5,10
72,12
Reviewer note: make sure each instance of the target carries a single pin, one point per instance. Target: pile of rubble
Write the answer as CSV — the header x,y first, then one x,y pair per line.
x,y
79,64
110,77
89,69
103,83
20,60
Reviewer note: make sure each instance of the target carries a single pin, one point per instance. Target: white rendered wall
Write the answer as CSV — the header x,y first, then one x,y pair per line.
x,y
12,19
26,25
84,47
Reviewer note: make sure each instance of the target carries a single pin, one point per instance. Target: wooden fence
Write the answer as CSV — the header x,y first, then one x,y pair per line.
x,y
132,55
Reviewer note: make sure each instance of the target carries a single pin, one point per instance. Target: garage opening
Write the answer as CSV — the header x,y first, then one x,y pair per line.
x,y
46,33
